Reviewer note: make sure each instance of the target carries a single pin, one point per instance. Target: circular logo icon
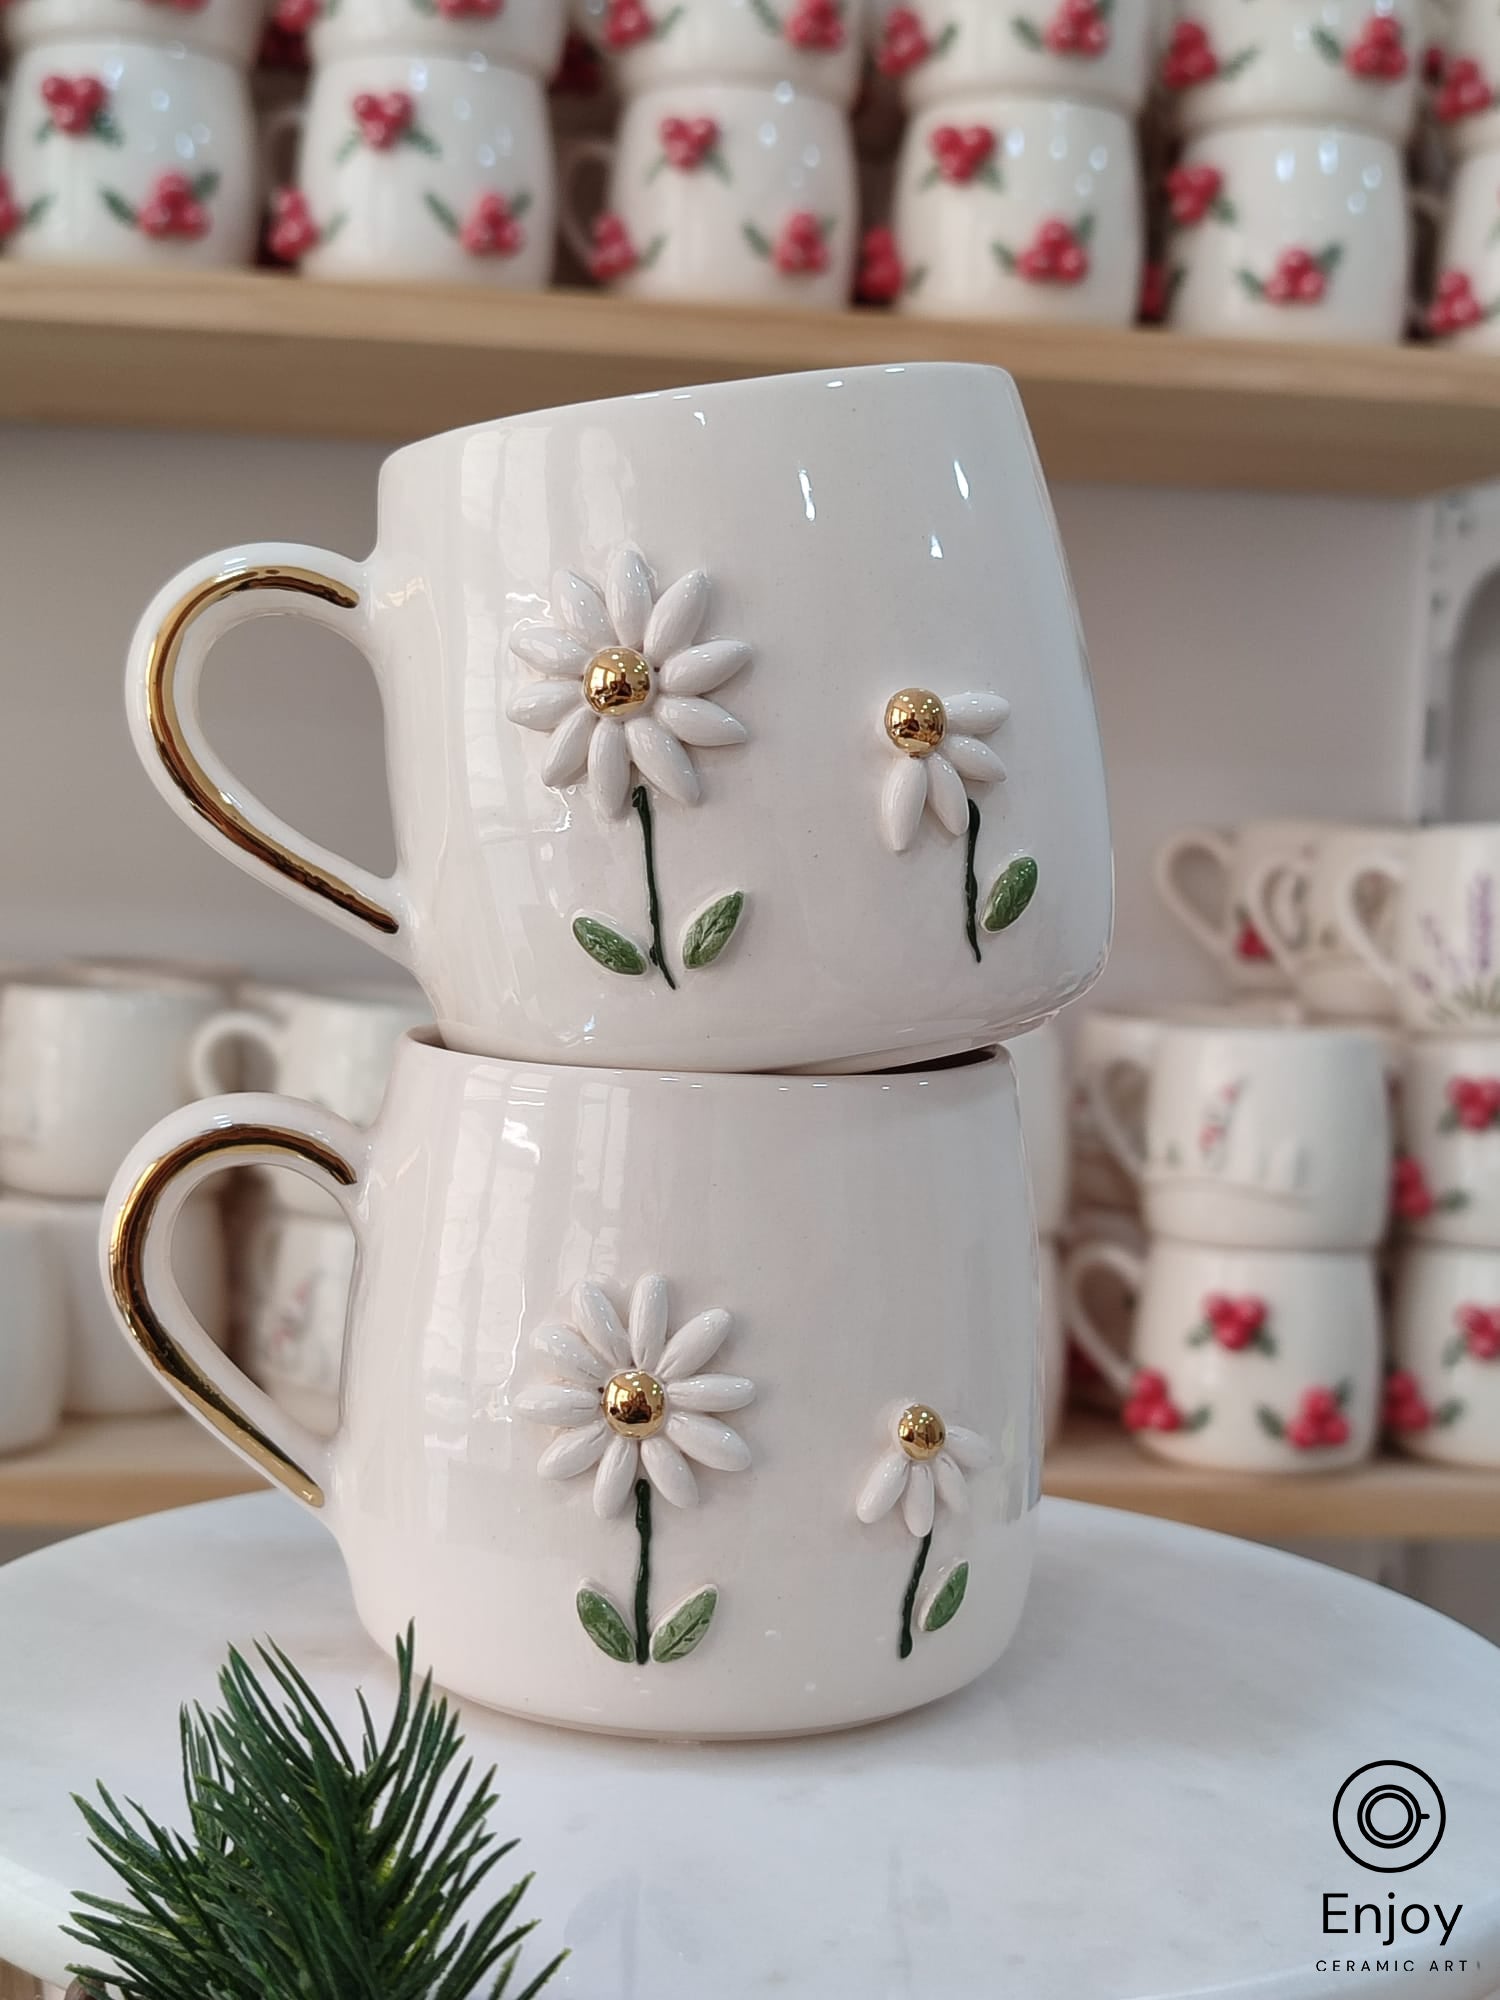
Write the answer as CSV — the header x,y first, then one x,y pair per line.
x,y
1389,1816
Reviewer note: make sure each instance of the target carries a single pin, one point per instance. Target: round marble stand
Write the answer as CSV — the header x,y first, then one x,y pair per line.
x,y
1137,1802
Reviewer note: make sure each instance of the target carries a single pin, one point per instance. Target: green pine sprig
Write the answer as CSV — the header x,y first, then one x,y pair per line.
x,y
308,1871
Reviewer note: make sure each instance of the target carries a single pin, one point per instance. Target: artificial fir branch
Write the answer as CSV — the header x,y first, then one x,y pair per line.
x,y
308,1872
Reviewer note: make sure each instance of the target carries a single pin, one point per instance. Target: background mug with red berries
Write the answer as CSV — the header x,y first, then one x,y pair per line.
x,y
719,191
127,153
1308,237
1096,51
1249,1360
816,47
1346,62
1465,307
424,167
524,35
1021,207
1293,900
1204,875
1447,1178
229,30
1442,1397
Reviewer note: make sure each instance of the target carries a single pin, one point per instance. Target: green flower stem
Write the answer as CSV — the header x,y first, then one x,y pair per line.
x,y
909,1602
971,882
640,798
643,1572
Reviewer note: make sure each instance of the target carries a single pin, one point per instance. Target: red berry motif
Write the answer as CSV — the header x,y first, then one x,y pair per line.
x,y
627,22
491,228
1190,57
469,10
74,104
1236,1323
1317,1424
904,42
292,232
687,142
295,17
1456,304
962,152
383,121
1473,1104
1248,942
580,72
11,216
1434,64
613,253
1192,192
1299,279
881,274
1078,28
1480,1328
1149,1406
1404,1407
1056,255
801,247
1378,52
1411,1197
173,209
1156,292
817,25
1465,91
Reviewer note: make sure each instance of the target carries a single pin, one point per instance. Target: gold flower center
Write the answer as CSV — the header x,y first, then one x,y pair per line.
x,y
617,681
635,1404
915,721
920,1432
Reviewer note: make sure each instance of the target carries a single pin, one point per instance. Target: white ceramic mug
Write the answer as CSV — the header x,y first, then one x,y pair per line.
x,y
1465,307
1468,88
1292,899
1111,1302
1289,232
639,701
1017,207
82,1068
1268,1137
1095,51
33,1334
1204,875
813,47
423,167
1041,1078
227,29
1331,62
721,191
1124,1044
1250,1360
292,1312
1439,954
1446,1187
562,1371
1442,1392
128,152
516,34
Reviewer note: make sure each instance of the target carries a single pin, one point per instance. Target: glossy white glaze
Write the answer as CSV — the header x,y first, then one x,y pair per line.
x,y
1293,904
775,498
128,152
1040,1063
1439,954
1339,62
228,29
943,49
813,47
33,1333
518,34
1442,1398
512,1224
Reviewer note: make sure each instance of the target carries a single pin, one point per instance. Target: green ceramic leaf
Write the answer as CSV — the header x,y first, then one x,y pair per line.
x,y
942,1606
1269,1422
118,207
604,1625
1196,1419
682,1631
520,202
1026,31
759,242
1455,1350
1327,45
1449,1412
1201,1335
206,186
1342,1391
1012,892
444,214
423,141
614,952
712,929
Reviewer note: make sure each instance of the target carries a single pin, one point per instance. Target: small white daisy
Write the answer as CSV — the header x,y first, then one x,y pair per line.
x,y
926,1462
623,676
937,747
634,1402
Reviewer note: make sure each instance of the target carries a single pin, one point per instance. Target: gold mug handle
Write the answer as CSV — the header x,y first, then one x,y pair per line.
x,y
167,655
140,1213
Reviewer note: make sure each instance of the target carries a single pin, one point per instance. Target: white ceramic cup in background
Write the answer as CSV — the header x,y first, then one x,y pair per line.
x,y
1111,1302
1250,1360
1016,207
1088,50
1054,1352
1041,1078
292,1319
665,694
1293,905
1464,101
82,1068
1465,308
1203,874
1440,954
1124,1044
517,34
1338,62
128,152
813,47
1270,1137
228,29
421,167
1442,1394
1447,1179
607,1376
33,1333
1289,232
720,191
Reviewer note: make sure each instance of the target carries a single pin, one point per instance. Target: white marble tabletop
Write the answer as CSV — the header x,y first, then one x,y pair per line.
x,y
1137,1802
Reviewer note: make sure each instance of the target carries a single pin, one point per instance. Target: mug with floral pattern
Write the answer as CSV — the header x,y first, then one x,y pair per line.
x,y
228,29
1094,51
813,47
1446,1183
1334,62
509,34
1465,307
1442,1389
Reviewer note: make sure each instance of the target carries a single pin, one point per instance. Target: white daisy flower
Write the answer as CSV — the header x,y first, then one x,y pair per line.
x,y
633,1402
937,747
623,680
926,1463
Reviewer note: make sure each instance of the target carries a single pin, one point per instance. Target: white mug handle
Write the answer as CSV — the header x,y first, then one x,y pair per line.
x,y
1353,929
235,1024
135,1244
1271,896
1217,939
574,155
162,675
1119,1141
1081,1263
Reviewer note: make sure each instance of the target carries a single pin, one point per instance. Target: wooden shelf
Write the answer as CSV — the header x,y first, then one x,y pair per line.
x,y
100,1470
266,353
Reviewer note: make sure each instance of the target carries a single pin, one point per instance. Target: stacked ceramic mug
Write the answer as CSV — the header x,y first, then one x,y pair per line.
x,y
129,137
1466,296
425,148
731,175
1288,203
702,768
1018,185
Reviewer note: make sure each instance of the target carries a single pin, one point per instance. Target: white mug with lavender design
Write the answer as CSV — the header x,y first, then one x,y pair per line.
x,y
1267,1136
813,48
1442,1389
1019,208
621,1463
421,167
1446,1186
1289,232
719,191
127,152
1249,1360
1441,957
1093,51
697,755
1293,904
1204,875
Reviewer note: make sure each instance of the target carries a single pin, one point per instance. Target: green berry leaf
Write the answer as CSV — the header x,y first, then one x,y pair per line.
x,y
613,951
1329,258
36,210
1013,890
1196,1419
1448,1412
118,207
1342,1391
520,202
206,186
347,146
1251,284
423,141
106,129
1083,229
942,1606
1264,1343
1455,1351
1269,1422
1240,60
944,41
443,212
651,252
712,929
604,1625
1451,1199
1328,46
1201,1335
682,1631
759,242
1025,31
666,24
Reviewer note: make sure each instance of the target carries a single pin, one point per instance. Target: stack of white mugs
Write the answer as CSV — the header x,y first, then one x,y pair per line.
x,y
690,1381
1466,110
